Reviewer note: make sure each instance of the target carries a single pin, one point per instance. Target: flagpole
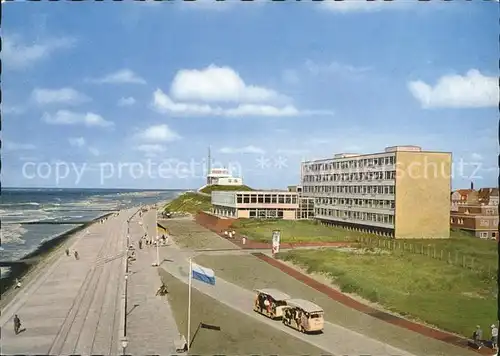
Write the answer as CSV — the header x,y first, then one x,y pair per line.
x,y
189,304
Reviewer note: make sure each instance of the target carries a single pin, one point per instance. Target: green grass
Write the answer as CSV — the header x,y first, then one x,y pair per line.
x,y
226,188
292,230
479,254
449,297
189,203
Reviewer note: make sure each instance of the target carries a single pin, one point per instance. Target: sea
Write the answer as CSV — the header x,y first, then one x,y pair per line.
x,y
21,205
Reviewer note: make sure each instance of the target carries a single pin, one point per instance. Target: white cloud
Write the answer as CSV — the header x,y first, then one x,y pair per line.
x,y
472,90
246,149
333,68
65,117
58,96
15,146
476,157
77,141
124,76
94,151
164,104
17,54
12,110
218,84
363,5
158,133
151,150
126,101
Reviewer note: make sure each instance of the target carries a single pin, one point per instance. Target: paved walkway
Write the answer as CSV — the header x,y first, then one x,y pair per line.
x,y
335,339
151,327
73,307
389,318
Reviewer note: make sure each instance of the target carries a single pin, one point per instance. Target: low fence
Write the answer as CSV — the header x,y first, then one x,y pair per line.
x,y
455,258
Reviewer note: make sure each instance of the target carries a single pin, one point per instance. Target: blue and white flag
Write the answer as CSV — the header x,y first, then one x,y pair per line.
x,y
203,274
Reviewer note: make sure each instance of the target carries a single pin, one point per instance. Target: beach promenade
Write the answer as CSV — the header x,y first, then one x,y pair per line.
x,y
74,306
151,327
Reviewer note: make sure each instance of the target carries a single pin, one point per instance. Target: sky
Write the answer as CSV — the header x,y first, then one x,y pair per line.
x,y
131,95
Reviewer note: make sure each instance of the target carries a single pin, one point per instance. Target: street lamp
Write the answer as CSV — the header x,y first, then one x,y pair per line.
x,y
124,345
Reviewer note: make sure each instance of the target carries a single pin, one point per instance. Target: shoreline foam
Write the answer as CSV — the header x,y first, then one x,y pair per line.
x,y
19,270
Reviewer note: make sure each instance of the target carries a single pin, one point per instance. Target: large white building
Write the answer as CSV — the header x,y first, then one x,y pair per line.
x,y
222,176
401,192
255,204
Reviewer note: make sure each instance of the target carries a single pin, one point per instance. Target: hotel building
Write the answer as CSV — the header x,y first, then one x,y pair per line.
x,y
403,192
255,204
475,211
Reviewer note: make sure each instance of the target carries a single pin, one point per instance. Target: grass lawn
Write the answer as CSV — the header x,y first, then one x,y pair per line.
x,y
226,188
481,254
291,230
449,297
189,203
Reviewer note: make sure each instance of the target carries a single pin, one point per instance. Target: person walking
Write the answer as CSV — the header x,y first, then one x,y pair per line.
x,y
17,324
478,337
67,252
76,255
494,337
140,244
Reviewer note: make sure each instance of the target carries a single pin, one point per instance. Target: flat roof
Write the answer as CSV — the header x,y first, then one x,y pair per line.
x,y
363,155
305,305
274,293
255,192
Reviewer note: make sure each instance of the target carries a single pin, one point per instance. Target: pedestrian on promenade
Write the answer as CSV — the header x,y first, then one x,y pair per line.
x,y
494,336
67,252
76,255
17,324
18,284
478,337
140,244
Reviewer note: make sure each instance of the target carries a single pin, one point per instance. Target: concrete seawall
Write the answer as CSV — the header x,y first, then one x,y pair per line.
x,y
73,305
20,269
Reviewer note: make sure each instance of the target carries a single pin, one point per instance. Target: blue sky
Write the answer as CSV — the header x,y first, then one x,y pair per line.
x,y
129,95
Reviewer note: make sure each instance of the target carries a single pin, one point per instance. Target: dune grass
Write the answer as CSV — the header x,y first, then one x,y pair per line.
x,y
449,297
189,202
225,188
461,248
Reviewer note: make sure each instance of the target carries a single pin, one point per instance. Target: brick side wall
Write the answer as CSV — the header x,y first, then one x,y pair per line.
x,y
213,222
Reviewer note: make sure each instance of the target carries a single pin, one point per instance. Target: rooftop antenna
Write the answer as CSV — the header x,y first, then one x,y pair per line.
x,y
209,163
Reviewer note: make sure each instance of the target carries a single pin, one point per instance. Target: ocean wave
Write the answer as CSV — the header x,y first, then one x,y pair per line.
x,y
31,203
12,233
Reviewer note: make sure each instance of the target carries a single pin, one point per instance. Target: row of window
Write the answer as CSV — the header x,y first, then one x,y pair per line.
x,y
362,203
482,222
356,215
350,177
266,213
266,199
353,163
230,212
356,189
